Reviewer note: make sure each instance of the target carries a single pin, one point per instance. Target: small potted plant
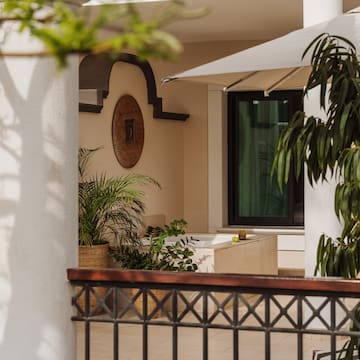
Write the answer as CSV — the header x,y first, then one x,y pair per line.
x,y
162,249
110,209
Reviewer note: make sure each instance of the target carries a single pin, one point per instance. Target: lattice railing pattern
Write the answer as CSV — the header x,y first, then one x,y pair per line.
x,y
238,311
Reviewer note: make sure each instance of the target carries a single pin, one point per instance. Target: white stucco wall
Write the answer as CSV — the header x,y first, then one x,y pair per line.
x,y
319,200
175,153
38,197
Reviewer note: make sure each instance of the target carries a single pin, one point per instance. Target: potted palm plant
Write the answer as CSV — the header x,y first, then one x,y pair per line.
x,y
331,147
110,210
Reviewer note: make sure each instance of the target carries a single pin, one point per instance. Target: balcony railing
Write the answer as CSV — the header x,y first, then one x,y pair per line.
x,y
240,306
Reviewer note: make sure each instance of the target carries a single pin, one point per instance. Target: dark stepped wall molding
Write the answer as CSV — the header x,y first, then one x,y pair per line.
x,y
94,73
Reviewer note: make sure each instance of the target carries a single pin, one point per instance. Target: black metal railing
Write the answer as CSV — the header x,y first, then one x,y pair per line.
x,y
212,316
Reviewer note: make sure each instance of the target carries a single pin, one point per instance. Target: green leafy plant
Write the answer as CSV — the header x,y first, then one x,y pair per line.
x,y
331,147
159,253
110,209
65,27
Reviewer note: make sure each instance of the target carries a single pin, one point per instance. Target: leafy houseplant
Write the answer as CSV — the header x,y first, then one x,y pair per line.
x,y
157,254
331,147
110,209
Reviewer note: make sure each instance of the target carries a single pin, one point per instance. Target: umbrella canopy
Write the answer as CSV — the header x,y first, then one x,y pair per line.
x,y
276,64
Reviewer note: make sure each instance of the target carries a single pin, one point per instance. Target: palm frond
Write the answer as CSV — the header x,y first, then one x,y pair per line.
x,y
110,207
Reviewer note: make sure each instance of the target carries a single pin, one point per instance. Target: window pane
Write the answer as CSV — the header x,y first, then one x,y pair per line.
x,y
258,126
254,125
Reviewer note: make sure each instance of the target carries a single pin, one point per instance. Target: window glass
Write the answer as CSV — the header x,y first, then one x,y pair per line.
x,y
255,123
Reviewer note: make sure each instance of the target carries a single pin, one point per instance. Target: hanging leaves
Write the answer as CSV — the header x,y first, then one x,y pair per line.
x,y
65,28
337,257
347,193
330,146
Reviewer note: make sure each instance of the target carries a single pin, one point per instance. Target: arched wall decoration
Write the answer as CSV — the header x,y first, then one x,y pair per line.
x,y
127,131
94,73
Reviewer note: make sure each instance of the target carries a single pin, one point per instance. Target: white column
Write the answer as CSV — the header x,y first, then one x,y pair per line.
x,y
38,203
319,200
217,158
316,11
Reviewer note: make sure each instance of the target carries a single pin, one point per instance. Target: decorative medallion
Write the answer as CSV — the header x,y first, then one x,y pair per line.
x,y
127,131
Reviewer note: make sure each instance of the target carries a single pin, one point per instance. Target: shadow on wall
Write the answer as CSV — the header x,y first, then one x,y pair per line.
x,y
37,207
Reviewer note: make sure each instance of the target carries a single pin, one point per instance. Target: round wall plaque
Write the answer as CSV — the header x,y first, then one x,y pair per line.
x,y
127,131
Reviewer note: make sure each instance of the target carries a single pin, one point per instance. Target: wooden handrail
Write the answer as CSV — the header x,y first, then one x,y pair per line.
x,y
329,285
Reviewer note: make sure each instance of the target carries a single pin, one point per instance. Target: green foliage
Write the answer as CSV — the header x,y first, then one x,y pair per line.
x,y
330,147
84,156
159,254
338,257
109,208
347,194
65,28
319,143
353,343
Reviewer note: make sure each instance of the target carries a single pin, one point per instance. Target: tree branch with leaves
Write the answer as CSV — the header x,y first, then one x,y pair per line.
x,y
65,28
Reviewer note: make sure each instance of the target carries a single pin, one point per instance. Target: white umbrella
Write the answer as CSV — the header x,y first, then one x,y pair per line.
x,y
276,64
